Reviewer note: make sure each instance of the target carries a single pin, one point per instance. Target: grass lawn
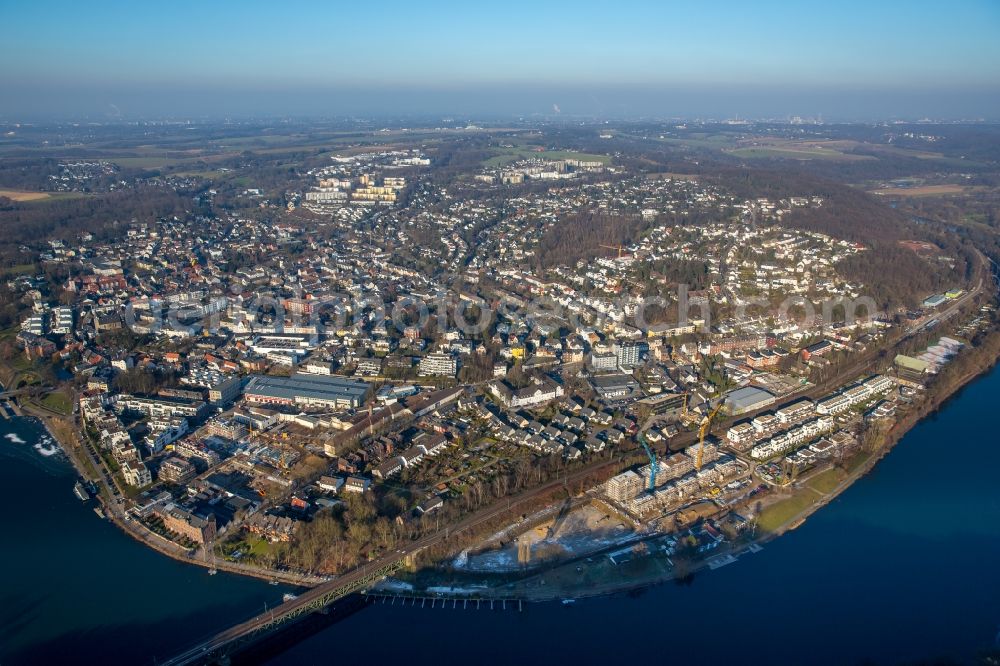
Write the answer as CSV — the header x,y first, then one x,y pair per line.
x,y
58,401
252,548
783,511
826,482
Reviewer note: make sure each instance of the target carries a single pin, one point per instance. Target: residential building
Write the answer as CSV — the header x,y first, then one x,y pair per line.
x,y
183,522
136,473
623,487
538,392
176,470
438,365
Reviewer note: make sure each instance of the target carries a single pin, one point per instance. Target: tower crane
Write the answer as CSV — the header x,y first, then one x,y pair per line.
x,y
619,247
654,465
702,431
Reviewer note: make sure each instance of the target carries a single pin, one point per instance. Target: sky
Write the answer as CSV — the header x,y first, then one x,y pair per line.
x,y
850,59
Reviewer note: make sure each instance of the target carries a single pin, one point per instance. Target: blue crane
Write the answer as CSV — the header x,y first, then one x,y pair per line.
x,y
654,466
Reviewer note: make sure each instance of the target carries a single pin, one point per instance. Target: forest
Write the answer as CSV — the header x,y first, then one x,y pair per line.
x,y
580,237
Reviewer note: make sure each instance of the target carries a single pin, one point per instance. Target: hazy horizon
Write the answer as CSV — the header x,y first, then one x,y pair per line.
x,y
629,60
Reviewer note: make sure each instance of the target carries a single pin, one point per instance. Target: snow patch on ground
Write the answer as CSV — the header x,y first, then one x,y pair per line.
x,y
392,585
583,531
443,589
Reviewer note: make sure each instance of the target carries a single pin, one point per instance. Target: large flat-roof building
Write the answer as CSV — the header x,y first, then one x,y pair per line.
x,y
615,386
162,406
665,403
307,390
934,301
748,399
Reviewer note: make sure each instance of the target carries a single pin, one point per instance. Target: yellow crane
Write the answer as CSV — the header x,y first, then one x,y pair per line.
x,y
702,431
619,247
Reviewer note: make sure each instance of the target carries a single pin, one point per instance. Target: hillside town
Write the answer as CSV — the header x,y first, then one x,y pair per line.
x,y
421,349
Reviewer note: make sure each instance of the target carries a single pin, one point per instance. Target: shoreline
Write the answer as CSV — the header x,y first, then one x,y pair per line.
x,y
167,548
894,436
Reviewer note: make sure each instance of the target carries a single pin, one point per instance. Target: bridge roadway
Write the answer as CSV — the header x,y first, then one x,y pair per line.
x,y
329,592
325,594
25,390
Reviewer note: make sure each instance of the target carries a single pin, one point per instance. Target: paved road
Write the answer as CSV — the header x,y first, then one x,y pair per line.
x,y
204,651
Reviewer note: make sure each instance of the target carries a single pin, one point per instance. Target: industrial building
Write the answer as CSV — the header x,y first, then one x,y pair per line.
x,y
934,301
748,399
307,390
665,403
615,386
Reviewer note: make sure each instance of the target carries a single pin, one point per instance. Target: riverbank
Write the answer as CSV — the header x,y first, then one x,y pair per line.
x,y
68,438
901,563
75,587
67,434
591,576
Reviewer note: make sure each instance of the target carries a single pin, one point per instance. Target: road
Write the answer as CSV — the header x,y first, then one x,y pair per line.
x,y
217,645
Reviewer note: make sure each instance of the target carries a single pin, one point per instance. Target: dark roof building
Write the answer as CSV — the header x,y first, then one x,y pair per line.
x,y
307,390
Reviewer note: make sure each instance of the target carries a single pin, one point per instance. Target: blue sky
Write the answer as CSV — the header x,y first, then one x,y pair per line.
x,y
81,56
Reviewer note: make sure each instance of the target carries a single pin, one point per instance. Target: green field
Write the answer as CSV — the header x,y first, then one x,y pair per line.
x,y
700,140
19,269
797,154
252,548
153,162
826,482
58,401
209,174
778,514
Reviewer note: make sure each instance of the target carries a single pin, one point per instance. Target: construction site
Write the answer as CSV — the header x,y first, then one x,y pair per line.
x,y
578,532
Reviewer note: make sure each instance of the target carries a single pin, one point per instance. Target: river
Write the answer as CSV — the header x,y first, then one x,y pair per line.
x,y
73,587
903,566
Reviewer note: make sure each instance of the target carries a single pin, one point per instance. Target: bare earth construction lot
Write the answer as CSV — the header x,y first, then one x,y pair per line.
x,y
921,191
17,195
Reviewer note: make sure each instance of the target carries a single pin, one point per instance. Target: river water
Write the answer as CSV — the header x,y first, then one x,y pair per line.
x,y
75,589
903,566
